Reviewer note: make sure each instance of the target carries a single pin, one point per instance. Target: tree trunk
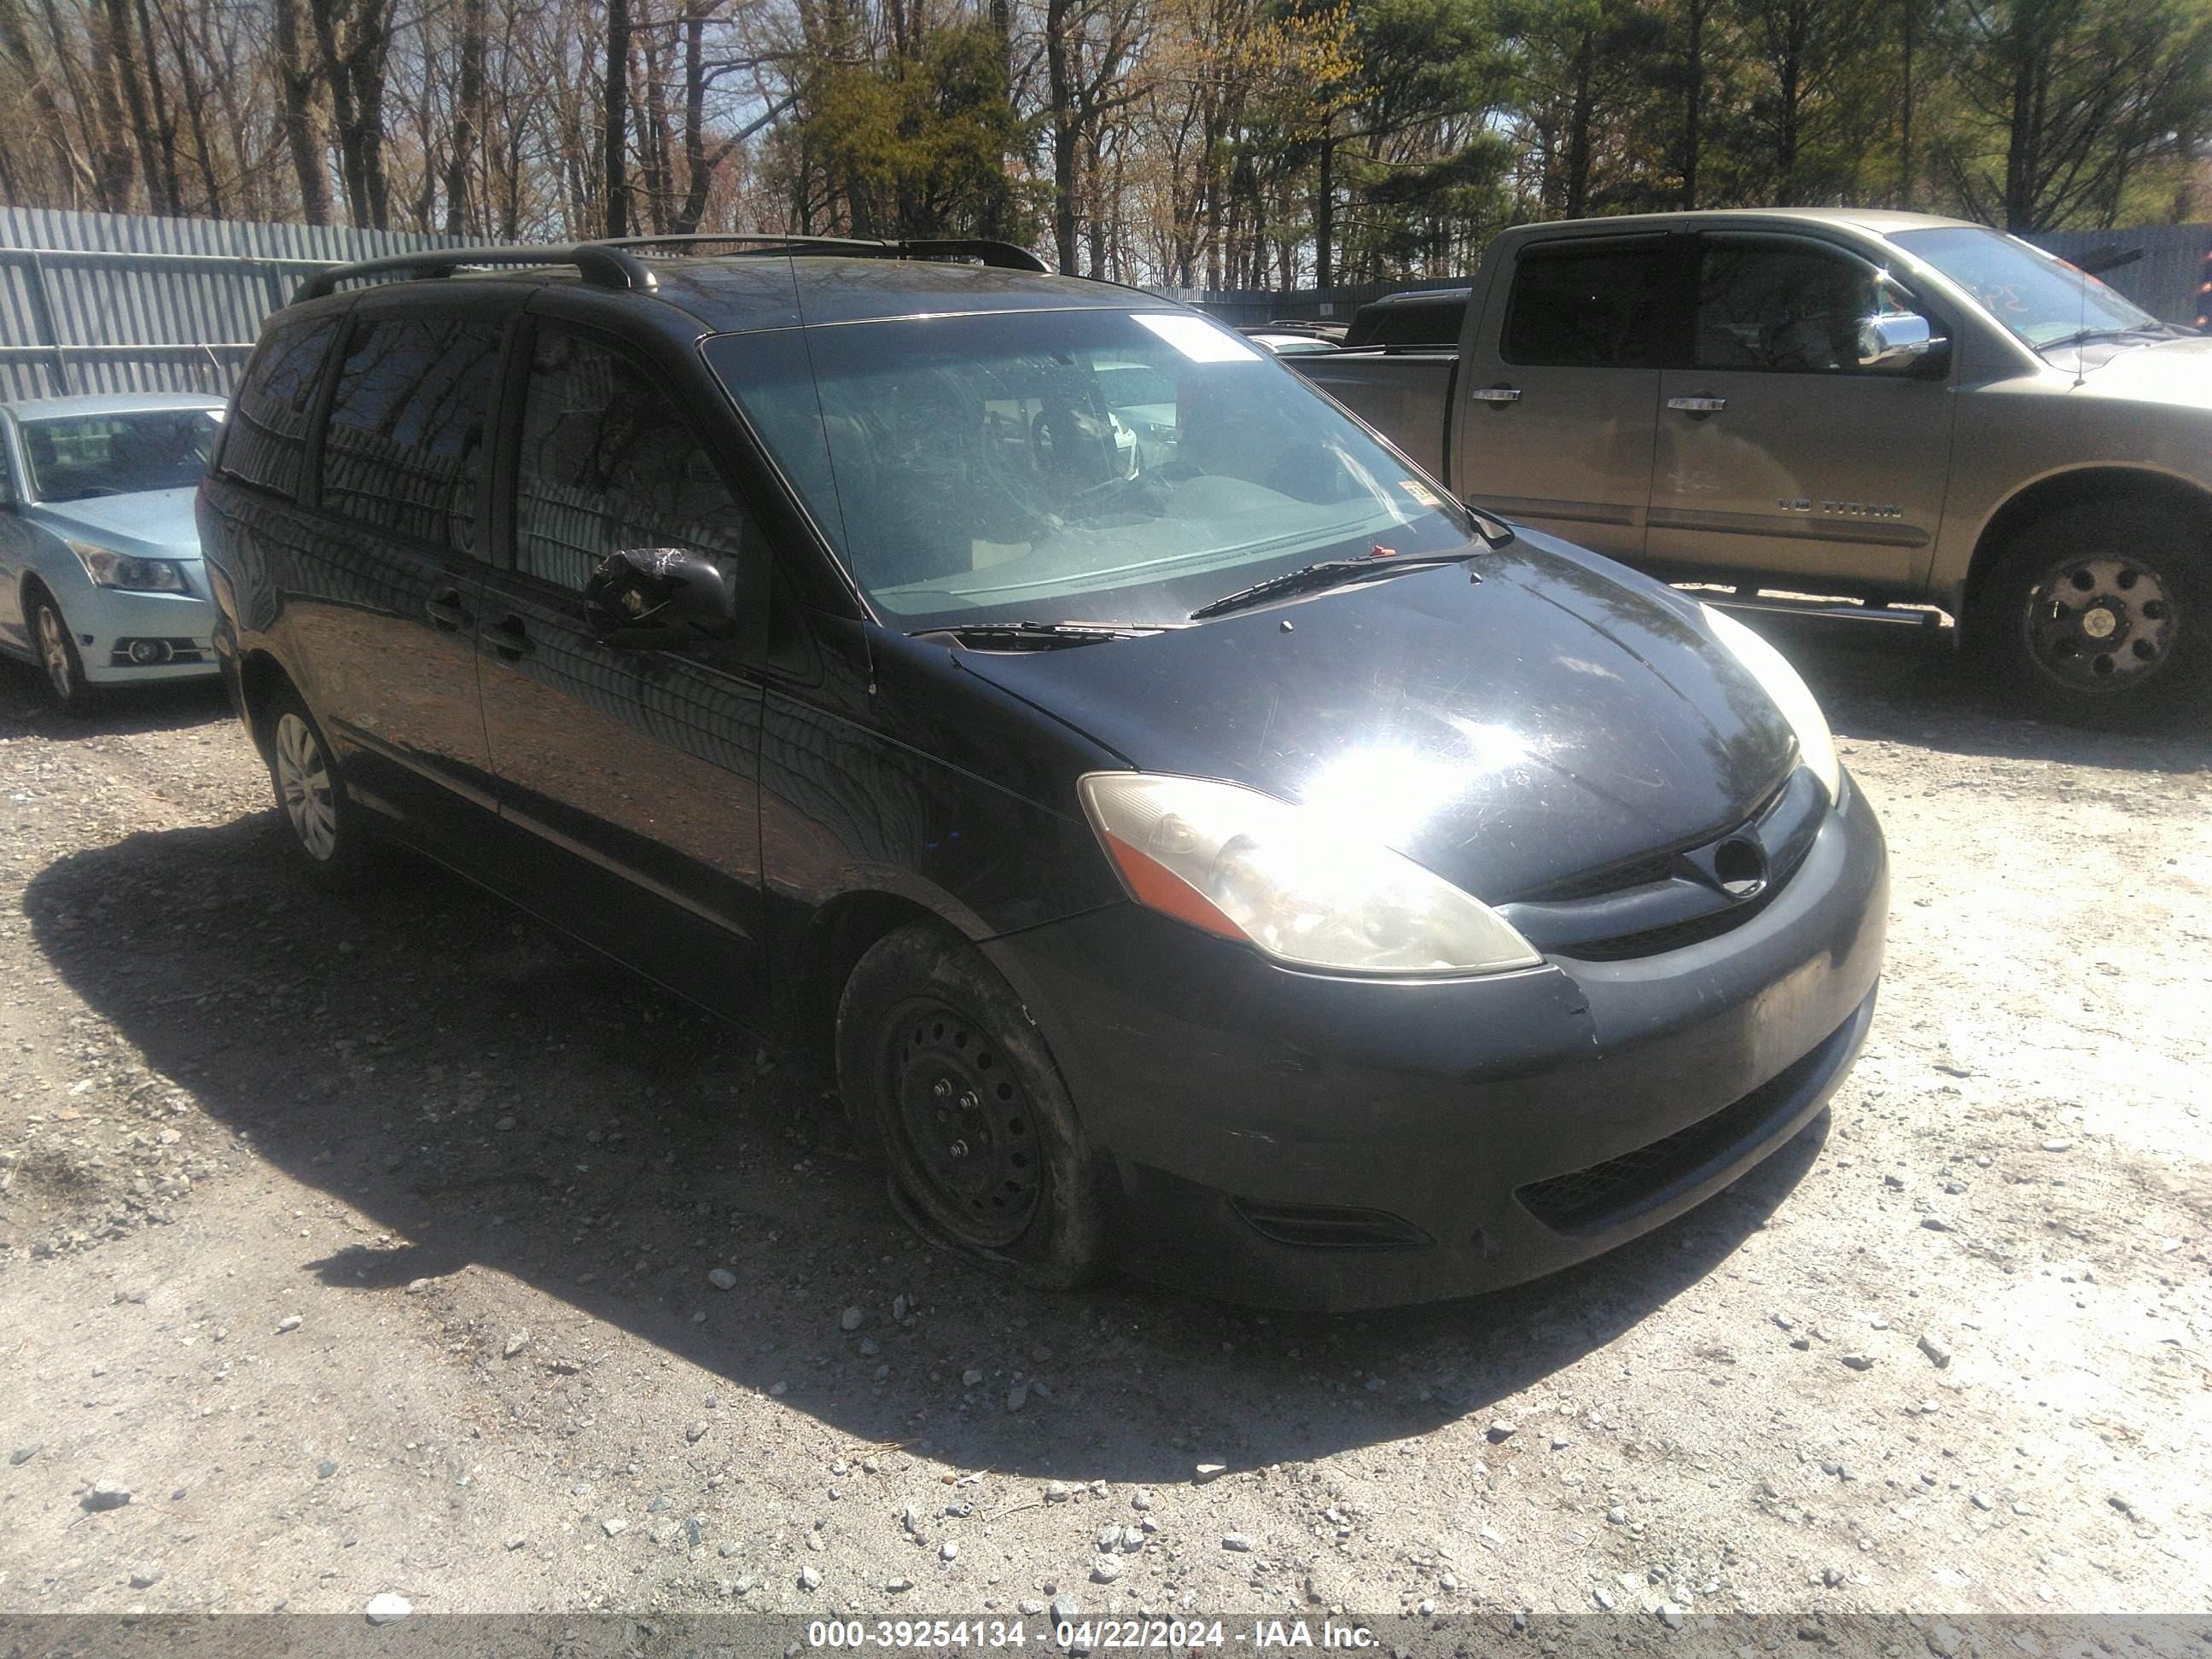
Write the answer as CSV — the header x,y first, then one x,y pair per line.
x,y
15,40
115,144
1693,103
468,116
1579,117
1325,215
297,81
615,119
1059,16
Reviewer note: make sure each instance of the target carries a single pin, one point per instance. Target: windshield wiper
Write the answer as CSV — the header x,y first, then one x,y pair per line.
x,y
1039,636
1330,573
2084,337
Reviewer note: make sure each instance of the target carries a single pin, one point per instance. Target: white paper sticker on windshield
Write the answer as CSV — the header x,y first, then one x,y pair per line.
x,y
1196,339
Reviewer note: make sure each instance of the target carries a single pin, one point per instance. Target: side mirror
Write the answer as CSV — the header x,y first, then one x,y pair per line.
x,y
1896,340
659,598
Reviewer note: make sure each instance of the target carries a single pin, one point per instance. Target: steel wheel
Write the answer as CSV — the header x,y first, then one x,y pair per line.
x,y
963,1127
56,654
303,784
2101,623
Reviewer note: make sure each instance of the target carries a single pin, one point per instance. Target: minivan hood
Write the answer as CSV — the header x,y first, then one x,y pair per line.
x,y
1558,717
2170,372
150,523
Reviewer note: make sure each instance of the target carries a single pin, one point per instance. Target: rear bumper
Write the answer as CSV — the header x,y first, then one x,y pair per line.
x,y
1300,1141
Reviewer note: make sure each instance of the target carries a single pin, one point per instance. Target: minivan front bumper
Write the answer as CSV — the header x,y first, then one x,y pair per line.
x,y
1297,1141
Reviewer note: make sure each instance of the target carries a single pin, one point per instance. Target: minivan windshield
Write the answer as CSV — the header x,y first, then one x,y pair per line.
x,y
2044,301
1070,465
75,457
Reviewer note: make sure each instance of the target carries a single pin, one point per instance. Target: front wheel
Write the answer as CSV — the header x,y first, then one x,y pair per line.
x,y
60,665
2101,614
950,1087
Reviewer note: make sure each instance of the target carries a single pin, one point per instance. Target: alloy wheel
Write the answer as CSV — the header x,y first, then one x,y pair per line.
x,y
303,784
2101,623
965,1132
54,653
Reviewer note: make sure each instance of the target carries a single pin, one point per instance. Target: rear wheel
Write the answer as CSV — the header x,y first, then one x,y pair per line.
x,y
60,668
328,840
2099,614
948,1083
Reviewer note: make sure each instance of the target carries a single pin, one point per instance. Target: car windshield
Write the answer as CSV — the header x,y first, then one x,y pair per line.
x,y
977,471
73,457
2045,302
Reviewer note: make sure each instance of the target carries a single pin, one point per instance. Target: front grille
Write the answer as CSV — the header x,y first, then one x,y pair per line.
x,y
1328,1226
1597,883
1696,929
1590,1199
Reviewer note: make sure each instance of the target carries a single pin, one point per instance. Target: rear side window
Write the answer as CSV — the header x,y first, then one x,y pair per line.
x,y
266,444
608,464
405,450
1414,323
1591,307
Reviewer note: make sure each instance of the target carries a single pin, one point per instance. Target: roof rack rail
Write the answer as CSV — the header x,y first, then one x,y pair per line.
x,y
604,264
1004,255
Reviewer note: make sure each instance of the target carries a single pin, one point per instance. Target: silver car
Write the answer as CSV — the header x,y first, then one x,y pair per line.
x,y
100,581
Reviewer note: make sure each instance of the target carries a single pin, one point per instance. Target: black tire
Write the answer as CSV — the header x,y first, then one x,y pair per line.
x,y
61,669
2101,614
947,1084
327,836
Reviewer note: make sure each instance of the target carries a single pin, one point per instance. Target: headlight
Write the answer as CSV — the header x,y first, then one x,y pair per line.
x,y
1252,868
1816,746
110,569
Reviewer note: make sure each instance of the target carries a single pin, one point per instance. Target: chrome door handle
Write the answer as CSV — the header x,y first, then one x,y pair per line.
x,y
1700,406
1496,394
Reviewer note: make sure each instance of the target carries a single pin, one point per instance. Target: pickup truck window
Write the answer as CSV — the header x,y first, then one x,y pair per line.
x,y
986,470
1591,305
1785,306
2043,301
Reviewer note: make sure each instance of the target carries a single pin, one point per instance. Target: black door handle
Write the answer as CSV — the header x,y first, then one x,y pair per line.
x,y
445,611
507,638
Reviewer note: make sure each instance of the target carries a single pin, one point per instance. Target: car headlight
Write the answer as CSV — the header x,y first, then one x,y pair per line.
x,y
112,569
1249,868
1816,745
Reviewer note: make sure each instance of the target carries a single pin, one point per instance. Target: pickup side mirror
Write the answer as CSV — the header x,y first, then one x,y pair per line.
x,y
1899,340
659,598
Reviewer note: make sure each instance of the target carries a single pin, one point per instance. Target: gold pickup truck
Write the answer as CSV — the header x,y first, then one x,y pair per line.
x,y
1880,409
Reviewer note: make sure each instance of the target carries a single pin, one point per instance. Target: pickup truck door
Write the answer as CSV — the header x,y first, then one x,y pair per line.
x,y
1781,457
1558,389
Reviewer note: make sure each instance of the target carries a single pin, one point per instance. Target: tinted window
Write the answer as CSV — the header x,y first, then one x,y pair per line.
x,y
1593,306
1786,307
267,440
1410,322
607,464
404,447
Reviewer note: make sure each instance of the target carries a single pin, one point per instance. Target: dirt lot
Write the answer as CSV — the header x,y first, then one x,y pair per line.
x,y
367,1244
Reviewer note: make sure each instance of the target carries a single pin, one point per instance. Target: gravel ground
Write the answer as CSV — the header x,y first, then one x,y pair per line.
x,y
366,1246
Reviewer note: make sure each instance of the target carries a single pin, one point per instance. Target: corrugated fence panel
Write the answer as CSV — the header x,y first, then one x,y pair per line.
x,y
2165,282
111,302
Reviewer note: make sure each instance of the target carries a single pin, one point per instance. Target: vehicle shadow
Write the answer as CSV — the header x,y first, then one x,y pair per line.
x,y
1905,685
472,1085
168,706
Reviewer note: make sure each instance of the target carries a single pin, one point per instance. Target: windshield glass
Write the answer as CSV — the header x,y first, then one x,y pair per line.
x,y
1069,465
75,457
2039,298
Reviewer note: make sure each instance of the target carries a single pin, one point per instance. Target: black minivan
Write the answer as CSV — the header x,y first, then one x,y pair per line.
x,y
1193,841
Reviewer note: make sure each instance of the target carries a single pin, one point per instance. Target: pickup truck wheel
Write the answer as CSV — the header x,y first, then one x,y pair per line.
x,y
949,1086
2101,614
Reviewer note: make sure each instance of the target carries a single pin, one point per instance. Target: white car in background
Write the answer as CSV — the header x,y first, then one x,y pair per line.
x,y
100,580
